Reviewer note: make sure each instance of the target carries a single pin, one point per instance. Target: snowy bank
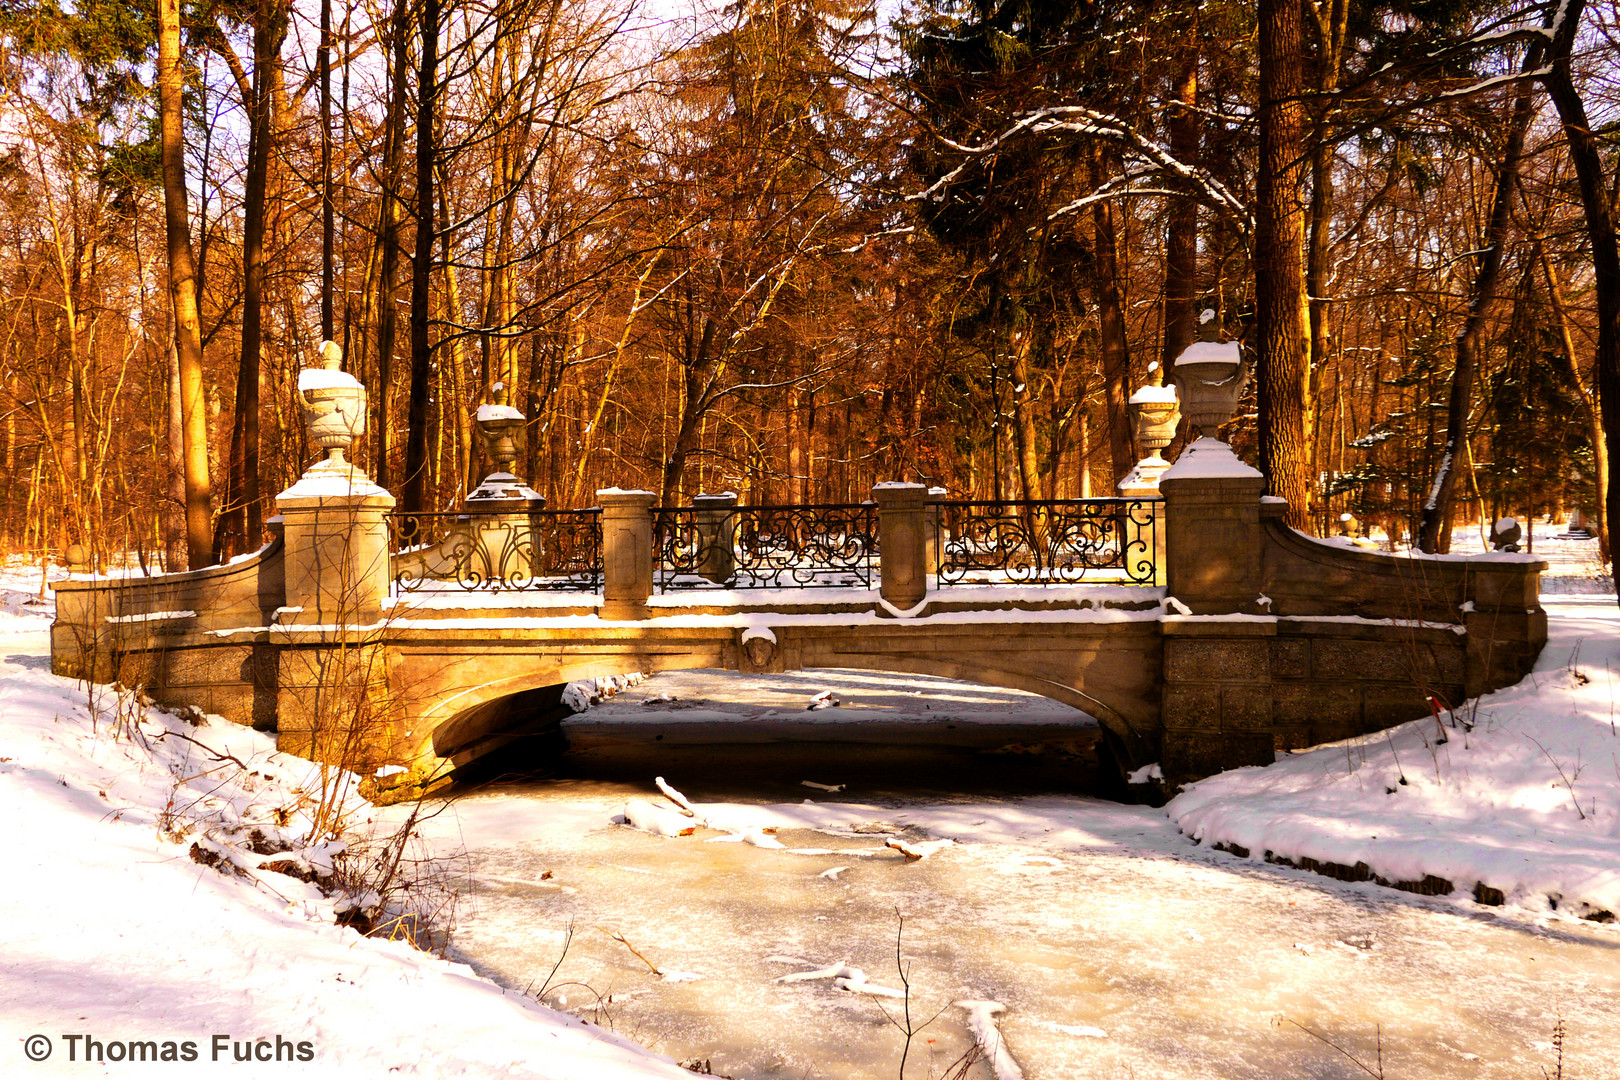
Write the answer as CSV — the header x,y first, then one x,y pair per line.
x,y
1514,798
153,895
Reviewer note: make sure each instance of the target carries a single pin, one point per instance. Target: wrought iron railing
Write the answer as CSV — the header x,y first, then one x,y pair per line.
x,y
1046,542
496,552
817,546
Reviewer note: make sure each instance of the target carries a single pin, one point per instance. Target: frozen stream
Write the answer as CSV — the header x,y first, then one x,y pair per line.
x,y
1117,946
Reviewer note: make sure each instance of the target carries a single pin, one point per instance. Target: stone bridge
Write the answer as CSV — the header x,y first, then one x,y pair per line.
x,y
1187,618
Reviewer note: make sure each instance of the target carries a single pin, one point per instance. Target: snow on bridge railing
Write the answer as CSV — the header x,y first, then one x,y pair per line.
x,y
1046,541
496,551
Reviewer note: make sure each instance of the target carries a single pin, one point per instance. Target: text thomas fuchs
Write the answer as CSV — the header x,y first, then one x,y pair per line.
x,y
88,1048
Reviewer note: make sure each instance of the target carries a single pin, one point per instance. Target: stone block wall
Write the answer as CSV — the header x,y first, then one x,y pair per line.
x,y
161,632
1286,641
1235,692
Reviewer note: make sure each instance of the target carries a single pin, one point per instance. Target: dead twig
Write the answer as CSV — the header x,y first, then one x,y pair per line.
x,y
1370,1070
620,938
1568,786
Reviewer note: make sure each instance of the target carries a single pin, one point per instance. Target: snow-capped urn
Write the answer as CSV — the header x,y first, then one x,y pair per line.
x,y
334,402
1155,411
1211,376
1505,534
502,429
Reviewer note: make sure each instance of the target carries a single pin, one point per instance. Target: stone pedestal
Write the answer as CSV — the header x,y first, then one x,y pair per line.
x,y
1213,540
627,552
333,700
1217,698
506,538
716,535
902,544
337,546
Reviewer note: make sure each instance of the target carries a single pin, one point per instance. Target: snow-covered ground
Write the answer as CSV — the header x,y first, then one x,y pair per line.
x,y
1112,943
114,931
1518,791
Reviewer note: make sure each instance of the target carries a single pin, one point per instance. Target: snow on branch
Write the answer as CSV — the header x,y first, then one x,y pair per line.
x,y
1086,122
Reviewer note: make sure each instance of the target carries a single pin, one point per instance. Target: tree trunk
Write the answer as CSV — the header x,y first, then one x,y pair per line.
x,y
1181,229
388,240
414,488
323,63
1116,356
183,289
1599,213
1590,417
1282,364
241,518
1024,448
1437,508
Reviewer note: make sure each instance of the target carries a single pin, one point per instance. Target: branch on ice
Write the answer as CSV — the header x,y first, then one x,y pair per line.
x,y
919,850
850,979
981,1022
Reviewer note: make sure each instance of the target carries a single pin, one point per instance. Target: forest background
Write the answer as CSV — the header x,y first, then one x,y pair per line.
x,y
790,248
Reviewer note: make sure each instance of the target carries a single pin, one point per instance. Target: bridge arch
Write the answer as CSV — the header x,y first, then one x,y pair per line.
x,y
463,714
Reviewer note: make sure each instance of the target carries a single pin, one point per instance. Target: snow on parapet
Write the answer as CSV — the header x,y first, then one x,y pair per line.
x,y
1200,352
487,413
1208,459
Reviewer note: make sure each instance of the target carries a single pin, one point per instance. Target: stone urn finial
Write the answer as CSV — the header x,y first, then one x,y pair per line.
x,y
333,401
1155,411
502,428
1211,376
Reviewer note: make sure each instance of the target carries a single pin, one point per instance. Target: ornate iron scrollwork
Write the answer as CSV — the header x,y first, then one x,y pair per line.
x,y
497,552
818,546
1046,542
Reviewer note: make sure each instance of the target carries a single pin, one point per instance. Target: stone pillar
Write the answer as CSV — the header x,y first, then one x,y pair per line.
x,y
716,535
1212,534
336,549
627,552
333,702
934,537
333,699
1217,703
1507,627
902,543
83,635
